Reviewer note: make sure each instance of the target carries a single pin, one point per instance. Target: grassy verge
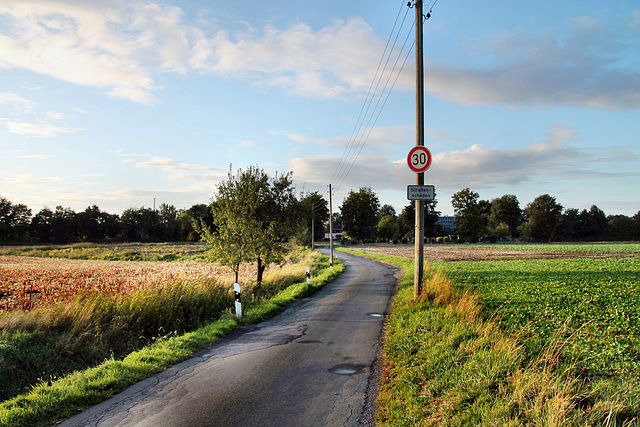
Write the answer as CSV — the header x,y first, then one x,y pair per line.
x,y
448,365
57,397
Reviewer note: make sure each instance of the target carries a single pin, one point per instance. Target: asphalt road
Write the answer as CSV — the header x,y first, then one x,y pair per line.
x,y
312,365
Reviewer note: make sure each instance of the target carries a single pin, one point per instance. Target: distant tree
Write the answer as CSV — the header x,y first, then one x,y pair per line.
x,y
63,225
502,231
42,225
407,220
315,207
593,224
386,210
191,218
14,221
622,228
569,226
506,210
360,214
253,217
387,228
468,215
168,228
544,215
138,225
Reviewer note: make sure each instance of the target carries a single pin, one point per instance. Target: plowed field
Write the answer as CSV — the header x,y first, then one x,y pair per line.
x,y
436,253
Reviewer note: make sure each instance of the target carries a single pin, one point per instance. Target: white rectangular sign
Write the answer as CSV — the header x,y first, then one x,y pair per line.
x,y
421,192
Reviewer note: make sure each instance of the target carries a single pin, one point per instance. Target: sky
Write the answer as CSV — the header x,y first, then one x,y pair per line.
x,y
127,103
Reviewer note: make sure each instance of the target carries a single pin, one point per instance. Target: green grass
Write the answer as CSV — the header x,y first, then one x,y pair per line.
x,y
56,395
597,301
450,362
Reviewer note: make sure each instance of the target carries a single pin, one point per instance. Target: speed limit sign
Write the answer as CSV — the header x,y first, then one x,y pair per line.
x,y
419,159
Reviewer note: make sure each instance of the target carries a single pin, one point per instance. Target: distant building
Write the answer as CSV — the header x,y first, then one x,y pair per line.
x,y
337,233
447,223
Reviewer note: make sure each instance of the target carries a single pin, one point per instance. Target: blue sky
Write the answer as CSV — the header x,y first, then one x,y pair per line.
x,y
116,103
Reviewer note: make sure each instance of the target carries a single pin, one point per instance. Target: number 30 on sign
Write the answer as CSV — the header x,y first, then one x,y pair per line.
x,y
419,159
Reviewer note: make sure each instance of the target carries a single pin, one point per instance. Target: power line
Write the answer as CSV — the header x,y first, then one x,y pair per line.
x,y
358,139
369,97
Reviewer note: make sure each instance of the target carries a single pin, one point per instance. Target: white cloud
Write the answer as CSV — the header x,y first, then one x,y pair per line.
x,y
16,101
335,60
38,130
541,70
557,156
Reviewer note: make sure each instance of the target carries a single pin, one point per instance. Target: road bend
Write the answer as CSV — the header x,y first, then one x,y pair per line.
x,y
312,365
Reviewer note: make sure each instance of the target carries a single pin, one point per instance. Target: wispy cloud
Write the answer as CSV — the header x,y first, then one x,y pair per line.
x,y
38,130
123,47
541,70
558,155
17,102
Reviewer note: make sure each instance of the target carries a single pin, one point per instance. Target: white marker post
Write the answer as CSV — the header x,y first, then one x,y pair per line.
x,y
308,275
236,289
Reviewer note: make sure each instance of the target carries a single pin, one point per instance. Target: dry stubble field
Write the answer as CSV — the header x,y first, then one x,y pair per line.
x,y
29,282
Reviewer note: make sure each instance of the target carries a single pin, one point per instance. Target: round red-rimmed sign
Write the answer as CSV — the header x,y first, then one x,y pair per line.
x,y
419,159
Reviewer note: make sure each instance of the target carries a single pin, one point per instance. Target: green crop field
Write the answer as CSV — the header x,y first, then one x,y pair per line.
x,y
590,306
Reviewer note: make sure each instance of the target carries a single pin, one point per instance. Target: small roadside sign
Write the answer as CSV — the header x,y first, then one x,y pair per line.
x,y
419,159
421,192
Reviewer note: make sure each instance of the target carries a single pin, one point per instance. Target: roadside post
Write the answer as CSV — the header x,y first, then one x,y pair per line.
x,y
308,275
236,289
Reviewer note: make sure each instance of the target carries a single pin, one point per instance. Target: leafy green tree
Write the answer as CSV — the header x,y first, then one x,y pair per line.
x,y
14,221
387,228
138,225
506,210
42,225
315,207
168,226
467,213
407,220
360,214
253,217
593,224
386,210
569,226
544,215
622,228
191,218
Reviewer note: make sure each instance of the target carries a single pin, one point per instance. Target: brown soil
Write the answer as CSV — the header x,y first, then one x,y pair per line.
x,y
445,252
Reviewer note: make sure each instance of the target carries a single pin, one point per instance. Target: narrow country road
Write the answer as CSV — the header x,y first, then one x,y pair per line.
x,y
312,365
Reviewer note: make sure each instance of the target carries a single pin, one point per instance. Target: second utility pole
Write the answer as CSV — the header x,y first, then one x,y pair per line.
x,y
419,228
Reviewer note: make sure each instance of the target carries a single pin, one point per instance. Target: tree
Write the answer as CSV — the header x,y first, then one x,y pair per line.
x,y
315,207
544,214
168,227
14,220
387,228
253,217
138,225
191,218
593,224
468,215
42,225
386,210
506,210
407,220
360,214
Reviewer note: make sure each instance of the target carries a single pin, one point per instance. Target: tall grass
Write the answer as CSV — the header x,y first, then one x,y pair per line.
x,y
446,365
46,343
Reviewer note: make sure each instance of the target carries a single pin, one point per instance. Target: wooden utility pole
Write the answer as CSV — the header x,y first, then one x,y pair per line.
x,y
330,229
419,228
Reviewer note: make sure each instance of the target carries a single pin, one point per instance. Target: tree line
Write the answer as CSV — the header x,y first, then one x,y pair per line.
x,y
270,206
